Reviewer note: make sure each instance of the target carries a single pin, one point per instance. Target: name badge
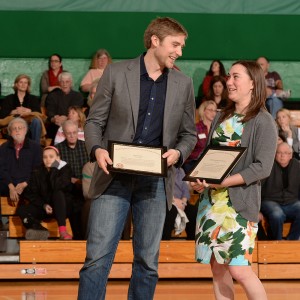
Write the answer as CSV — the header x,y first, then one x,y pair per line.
x,y
201,136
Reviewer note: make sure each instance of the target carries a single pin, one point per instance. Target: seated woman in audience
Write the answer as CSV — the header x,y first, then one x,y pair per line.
x,y
77,116
49,80
207,112
218,91
25,105
216,69
49,194
286,129
99,62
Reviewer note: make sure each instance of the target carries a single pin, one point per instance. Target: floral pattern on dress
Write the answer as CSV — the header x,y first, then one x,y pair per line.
x,y
220,230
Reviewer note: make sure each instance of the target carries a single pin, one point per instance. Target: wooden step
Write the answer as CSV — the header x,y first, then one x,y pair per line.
x,y
279,252
59,251
6,207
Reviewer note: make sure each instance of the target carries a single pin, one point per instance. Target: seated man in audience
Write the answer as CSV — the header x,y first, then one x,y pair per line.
x,y
18,157
280,194
73,151
275,92
59,101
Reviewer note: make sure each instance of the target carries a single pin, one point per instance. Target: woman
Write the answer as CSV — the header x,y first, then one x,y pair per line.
x,y
49,193
286,129
216,69
25,105
49,80
77,116
218,91
207,112
99,62
228,212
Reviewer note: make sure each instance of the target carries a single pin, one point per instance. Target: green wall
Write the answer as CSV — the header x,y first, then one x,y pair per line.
x,y
79,34
29,37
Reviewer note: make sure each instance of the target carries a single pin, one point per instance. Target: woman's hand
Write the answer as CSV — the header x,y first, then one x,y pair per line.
x,y
199,186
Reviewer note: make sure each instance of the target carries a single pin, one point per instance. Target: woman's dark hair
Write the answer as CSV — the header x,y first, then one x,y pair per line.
x,y
222,68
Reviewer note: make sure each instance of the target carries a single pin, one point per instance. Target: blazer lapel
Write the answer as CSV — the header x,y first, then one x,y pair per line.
x,y
133,82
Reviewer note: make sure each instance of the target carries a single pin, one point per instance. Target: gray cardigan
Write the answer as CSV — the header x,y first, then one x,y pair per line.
x,y
260,138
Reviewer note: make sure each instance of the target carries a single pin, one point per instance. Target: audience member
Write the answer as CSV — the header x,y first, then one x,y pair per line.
x,y
99,62
207,112
176,217
59,101
218,91
73,151
275,92
286,129
91,96
25,105
280,194
77,116
18,157
49,79
216,69
49,195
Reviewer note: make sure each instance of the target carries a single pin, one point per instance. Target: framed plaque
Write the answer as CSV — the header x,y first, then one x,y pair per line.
x,y
137,159
215,164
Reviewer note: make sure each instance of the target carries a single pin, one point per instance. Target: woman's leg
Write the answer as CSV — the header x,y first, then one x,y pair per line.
x,y
245,276
222,281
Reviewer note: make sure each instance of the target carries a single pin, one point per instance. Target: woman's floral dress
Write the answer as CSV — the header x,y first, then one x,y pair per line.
x,y
220,230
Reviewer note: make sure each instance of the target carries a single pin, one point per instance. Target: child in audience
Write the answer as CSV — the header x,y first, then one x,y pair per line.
x,y
77,116
49,195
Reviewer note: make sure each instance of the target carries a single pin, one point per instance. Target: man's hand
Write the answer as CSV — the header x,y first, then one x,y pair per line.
x,y
103,159
20,187
58,120
172,156
180,203
13,195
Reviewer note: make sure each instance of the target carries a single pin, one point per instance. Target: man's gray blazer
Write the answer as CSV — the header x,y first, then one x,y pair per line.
x,y
114,116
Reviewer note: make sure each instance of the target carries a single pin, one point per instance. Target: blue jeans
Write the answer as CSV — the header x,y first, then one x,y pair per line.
x,y
277,214
273,104
35,128
108,213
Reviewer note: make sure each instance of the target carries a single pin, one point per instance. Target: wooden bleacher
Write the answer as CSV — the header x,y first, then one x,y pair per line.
x,y
16,228
55,259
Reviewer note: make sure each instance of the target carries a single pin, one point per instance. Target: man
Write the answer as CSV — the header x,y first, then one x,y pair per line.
x,y
73,151
18,157
275,92
59,101
141,101
280,200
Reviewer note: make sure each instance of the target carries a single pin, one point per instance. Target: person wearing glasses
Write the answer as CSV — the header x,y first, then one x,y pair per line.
x,y
49,79
18,157
280,198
